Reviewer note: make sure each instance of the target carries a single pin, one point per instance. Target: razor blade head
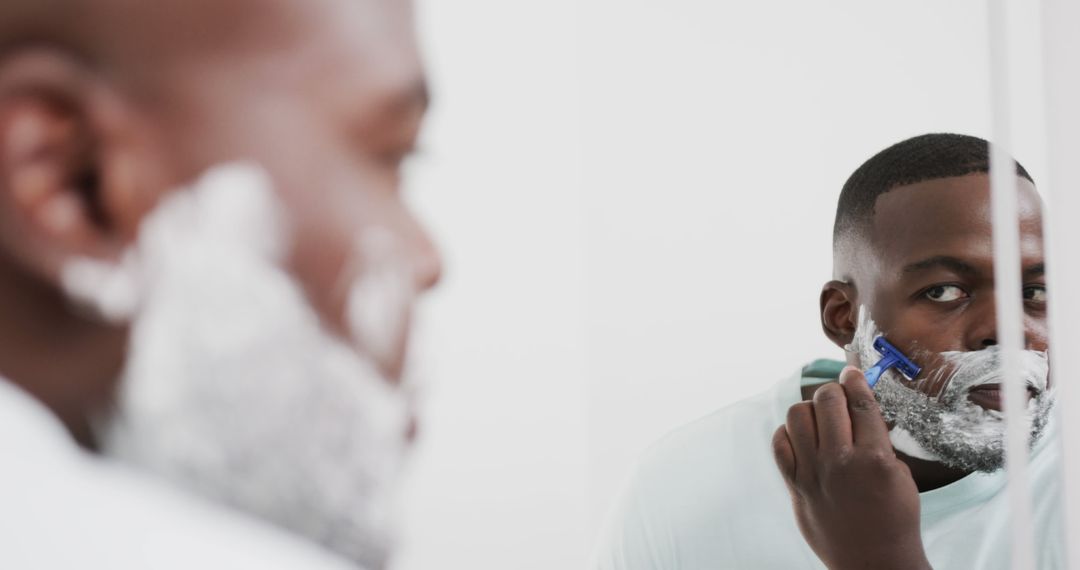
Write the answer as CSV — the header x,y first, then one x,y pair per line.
x,y
896,358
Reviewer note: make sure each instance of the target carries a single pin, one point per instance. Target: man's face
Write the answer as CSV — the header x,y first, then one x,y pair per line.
x,y
923,277
330,104
250,376
930,284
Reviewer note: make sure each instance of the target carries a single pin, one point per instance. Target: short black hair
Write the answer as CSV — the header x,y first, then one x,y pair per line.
x,y
921,158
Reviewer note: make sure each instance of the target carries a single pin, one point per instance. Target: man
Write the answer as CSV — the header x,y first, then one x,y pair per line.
x,y
913,261
207,272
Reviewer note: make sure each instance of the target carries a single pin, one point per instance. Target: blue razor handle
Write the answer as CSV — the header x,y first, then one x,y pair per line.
x,y
891,357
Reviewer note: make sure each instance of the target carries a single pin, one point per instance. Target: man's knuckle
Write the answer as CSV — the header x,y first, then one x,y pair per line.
x,y
829,393
798,412
880,459
864,405
780,444
843,455
799,497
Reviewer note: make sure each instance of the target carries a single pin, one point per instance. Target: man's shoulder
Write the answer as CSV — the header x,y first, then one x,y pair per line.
x,y
710,490
729,444
106,515
215,533
721,431
733,442
66,508
739,426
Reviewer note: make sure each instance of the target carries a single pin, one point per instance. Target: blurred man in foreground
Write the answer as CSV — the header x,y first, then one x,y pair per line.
x,y
207,271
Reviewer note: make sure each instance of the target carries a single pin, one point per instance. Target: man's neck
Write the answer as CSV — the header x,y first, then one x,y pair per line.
x,y
930,475
68,362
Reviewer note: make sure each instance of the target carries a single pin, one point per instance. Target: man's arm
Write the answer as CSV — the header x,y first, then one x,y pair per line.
x,y
855,502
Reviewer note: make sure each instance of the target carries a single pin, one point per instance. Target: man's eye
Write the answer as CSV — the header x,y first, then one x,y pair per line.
x,y
945,293
1035,294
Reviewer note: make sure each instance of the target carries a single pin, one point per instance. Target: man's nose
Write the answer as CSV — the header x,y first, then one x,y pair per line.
x,y
983,331
982,328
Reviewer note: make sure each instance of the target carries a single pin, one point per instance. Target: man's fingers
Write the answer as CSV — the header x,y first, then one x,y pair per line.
x,y
867,425
784,455
831,413
802,433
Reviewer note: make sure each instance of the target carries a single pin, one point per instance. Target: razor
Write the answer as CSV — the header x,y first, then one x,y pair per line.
x,y
891,357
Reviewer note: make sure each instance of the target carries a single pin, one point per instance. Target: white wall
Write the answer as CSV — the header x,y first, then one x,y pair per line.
x,y
635,199
499,477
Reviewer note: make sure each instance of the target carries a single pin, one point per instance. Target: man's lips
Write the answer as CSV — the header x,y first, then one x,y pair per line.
x,y
989,396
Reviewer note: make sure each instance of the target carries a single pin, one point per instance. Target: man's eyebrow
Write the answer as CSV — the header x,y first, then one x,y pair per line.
x,y
941,261
1036,270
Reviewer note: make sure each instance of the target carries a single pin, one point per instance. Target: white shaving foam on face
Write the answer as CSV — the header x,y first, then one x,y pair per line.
x,y
378,307
862,345
247,217
904,442
965,370
234,389
947,427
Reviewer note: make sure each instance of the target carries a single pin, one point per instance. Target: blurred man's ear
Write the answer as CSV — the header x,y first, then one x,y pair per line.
x,y
68,179
839,312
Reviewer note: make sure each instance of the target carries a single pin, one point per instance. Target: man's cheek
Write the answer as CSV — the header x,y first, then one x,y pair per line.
x,y
935,372
1036,335
924,349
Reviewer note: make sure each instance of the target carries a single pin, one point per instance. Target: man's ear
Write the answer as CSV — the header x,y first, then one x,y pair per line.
x,y
67,185
839,312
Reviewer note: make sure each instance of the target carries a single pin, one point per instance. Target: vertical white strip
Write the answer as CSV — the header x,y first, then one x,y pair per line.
x,y
1061,69
1008,293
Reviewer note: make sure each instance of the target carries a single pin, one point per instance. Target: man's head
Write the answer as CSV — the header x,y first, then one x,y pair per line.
x,y
913,250
108,106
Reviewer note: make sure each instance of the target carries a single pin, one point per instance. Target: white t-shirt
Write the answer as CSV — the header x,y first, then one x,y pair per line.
x,y
62,508
709,497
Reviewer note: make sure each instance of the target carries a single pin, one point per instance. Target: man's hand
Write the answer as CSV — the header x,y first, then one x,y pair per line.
x,y
855,502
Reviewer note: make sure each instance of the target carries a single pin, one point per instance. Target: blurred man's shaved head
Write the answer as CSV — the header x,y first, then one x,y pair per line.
x,y
199,68
143,44
131,37
110,29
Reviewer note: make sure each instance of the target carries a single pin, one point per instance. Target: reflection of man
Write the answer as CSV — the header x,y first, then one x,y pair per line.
x,y
207,272
912,260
